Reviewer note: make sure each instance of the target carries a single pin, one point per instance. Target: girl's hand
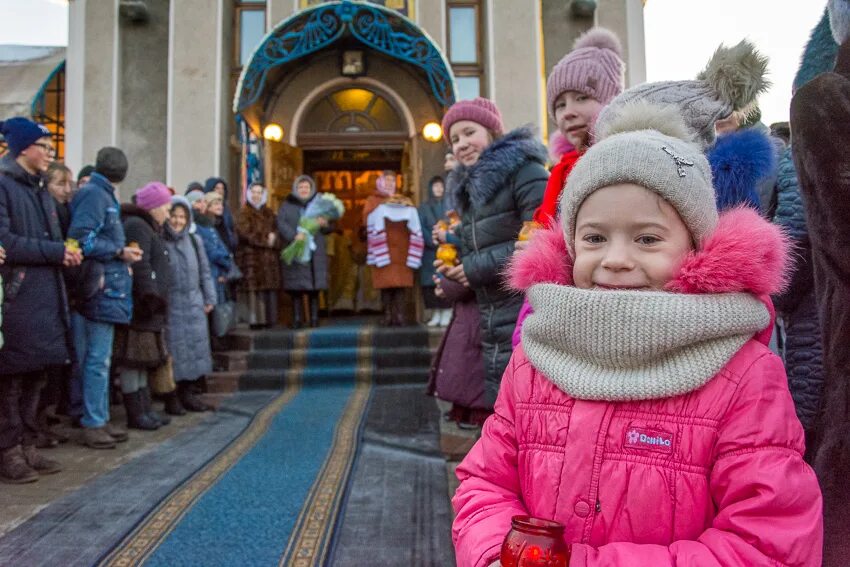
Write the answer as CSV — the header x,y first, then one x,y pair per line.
x,y
208,309
271,238
438,236
457,274
441,267
300,236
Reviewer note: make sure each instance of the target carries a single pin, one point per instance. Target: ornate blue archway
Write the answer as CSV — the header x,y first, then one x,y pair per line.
x,y
374,26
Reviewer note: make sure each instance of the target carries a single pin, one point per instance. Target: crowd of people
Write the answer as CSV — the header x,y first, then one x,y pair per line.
x,y
646,361
102,297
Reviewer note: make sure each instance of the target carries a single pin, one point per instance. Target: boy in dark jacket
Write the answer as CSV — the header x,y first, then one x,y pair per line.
x,y
104,296
35,315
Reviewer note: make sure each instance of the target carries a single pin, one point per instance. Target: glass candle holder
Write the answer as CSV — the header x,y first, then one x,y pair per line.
x,y
534,542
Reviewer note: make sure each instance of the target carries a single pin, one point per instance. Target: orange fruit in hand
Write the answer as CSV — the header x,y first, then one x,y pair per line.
x,y
447,253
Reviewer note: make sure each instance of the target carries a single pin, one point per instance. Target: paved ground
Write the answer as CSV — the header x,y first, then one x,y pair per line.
x,y
18,503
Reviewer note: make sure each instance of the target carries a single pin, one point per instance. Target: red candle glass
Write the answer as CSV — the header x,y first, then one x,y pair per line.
x,y
534,542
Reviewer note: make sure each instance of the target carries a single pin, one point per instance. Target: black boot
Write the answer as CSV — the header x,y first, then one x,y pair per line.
x,y
172,404
147,405
297,312
136,416
314,310
399,320
188,397
387,301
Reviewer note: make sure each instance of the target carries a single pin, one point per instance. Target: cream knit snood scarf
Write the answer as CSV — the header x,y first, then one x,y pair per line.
x,y
635,345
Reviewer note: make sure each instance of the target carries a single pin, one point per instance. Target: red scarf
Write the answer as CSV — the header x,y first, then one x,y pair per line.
x,y
548,209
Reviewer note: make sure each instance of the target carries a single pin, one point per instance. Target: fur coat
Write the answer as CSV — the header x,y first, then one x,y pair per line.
x,y
257,260
820,122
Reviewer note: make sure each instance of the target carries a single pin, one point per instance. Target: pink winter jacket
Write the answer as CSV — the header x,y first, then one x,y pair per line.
x,y
714,477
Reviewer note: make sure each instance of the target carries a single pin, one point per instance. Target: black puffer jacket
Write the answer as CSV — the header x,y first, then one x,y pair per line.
x,y
151,274
803,351
496,195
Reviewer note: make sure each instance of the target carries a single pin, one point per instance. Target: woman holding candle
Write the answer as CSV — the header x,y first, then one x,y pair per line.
x,y
497,186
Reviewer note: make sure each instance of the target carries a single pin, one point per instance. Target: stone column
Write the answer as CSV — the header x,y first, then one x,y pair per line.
x,y
515,61
197,83
92,89
625,18
144,96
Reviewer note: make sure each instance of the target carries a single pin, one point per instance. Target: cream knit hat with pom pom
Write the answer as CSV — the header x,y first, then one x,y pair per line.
x,y
651,146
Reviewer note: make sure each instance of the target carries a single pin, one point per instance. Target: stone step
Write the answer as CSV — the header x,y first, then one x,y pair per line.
x,y
279,338
265,379
397,357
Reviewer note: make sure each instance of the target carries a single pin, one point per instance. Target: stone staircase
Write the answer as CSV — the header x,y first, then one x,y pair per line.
x,y
268,359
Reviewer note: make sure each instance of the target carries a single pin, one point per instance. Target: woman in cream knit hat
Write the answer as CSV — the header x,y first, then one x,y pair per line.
x,y
643,409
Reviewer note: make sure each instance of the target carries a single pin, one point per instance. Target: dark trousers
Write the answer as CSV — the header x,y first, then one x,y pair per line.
x,y
19,395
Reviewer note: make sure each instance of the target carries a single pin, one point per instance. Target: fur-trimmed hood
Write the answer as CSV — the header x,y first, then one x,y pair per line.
x,y
739,161
742,239
477,184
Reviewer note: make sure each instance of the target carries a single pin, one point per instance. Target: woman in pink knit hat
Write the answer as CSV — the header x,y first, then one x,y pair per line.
x,y
497,185
140,346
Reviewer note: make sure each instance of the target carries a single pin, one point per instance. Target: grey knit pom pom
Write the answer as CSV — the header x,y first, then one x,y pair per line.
x,y
737,74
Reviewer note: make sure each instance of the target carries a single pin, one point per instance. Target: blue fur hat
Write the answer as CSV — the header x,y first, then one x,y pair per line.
x,y
739,161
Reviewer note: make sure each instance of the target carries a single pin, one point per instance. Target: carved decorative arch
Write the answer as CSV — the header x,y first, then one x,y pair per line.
x,y
374,26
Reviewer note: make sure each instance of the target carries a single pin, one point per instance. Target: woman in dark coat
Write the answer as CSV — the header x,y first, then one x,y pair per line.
x,y
140,346
224,223
497,186
191,297
258,256
797,305
219,256
430,212
302,280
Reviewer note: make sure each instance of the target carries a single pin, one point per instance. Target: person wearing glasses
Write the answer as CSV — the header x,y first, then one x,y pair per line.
x,y
35,311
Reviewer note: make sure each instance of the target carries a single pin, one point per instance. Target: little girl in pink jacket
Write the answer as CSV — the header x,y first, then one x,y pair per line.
x,y
643,409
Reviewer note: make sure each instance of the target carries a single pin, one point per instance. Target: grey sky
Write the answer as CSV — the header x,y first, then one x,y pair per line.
x,y
681,35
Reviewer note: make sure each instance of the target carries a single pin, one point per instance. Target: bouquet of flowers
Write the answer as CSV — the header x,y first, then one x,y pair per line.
x,y
326,206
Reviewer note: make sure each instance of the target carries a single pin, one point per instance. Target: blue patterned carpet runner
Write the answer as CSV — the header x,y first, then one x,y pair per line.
x,y
273,496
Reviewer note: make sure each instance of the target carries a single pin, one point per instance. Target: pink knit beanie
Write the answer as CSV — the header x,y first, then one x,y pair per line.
x,y
153,195
594,67
480,110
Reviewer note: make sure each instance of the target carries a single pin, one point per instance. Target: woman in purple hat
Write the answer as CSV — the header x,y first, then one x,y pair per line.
x,y
497,185
140,346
